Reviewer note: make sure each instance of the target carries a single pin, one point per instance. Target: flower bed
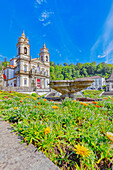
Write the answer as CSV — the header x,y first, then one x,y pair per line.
x,y
74,135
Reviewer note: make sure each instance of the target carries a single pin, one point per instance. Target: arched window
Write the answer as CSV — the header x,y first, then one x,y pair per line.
x,y
42,71
25,68
18,50
47,73
25,50
42,58
38,69
47,58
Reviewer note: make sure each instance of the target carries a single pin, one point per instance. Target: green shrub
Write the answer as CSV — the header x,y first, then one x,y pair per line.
x,y
34,94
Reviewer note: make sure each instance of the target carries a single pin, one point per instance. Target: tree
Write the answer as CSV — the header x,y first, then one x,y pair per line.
x,y
84,72
65,64
0,66
52,63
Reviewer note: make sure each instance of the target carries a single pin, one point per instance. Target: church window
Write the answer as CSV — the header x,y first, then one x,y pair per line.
x,y
42,71
25,68
46,58
38,69
25,50
47,72
25,81
42,58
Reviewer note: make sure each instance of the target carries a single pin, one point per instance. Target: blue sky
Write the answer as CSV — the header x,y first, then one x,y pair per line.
x,y
74,31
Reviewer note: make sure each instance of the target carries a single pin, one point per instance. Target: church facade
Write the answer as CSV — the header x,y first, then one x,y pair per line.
x,y
24,71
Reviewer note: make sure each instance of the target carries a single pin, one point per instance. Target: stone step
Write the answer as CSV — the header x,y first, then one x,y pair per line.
x,y
108,93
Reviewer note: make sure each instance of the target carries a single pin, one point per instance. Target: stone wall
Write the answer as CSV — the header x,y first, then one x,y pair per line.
x,y
23,89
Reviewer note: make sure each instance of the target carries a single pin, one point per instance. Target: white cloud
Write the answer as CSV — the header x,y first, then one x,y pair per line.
x,y
101,56
1,56
58,52
45,15
105,40
41,1
47,23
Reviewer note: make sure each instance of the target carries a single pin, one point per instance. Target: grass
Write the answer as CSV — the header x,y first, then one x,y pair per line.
x,y
57,129
92,93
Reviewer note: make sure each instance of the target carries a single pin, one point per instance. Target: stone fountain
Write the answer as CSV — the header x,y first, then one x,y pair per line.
x,y
68,87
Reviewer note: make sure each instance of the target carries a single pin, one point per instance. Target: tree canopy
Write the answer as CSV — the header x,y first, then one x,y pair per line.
x,y
72,71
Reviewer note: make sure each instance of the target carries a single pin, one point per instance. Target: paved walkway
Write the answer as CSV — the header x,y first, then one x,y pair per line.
x,y
14,155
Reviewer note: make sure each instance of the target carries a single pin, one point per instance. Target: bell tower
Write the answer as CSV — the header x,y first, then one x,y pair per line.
x,y
23,47
44,54
23,58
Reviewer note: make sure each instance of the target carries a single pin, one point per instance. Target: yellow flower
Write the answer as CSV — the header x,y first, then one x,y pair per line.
x,y
110,135
44,100
81,150
15,107
55,107
85,104
47,130
75,101
34,98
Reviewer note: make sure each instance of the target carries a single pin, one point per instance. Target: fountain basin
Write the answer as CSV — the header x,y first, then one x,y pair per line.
x,y
68,87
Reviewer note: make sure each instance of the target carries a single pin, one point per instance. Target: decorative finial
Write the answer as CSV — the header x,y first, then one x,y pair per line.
x,y
44,46
23,34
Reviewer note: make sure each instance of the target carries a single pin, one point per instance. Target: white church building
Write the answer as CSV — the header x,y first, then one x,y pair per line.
x,y
24,71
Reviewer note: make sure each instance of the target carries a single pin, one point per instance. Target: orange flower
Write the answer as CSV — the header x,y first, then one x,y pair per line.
x,y
105,98
97,105
39,103
47,130
55,103
94,102
85,104
55,107
75,101
20,101
44,100
51,100
34,98
35,106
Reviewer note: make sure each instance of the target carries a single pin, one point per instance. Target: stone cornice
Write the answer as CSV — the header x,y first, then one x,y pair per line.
x,y
23,42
